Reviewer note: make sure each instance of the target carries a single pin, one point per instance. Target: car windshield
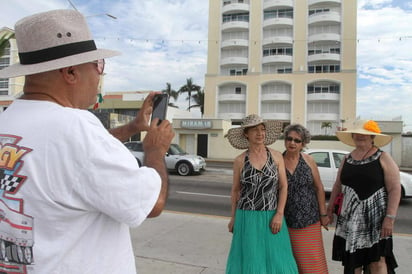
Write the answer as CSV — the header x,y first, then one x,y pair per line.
x,y
176,150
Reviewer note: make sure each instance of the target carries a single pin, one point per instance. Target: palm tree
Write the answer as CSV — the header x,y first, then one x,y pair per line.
x,y
189,87
199,98
326,125
4,40
172,93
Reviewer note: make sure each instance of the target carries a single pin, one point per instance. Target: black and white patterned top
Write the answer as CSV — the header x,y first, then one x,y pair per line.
x,y
259,188
302,207
364,204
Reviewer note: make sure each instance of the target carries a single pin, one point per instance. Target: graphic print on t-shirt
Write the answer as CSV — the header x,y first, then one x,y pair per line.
x,y
16,228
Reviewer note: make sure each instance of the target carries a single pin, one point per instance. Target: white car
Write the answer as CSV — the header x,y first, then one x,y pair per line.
x,y
176,158
328,161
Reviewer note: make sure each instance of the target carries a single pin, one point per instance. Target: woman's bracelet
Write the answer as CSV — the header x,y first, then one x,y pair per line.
x,y
393,217
323,215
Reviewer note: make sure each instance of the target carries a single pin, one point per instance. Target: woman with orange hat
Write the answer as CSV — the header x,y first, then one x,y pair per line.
x,y
369,180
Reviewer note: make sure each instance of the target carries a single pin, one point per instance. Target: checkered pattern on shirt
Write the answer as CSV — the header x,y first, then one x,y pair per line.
x,y
10,183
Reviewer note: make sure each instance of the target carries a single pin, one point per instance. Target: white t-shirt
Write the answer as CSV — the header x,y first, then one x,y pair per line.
x,y
69,190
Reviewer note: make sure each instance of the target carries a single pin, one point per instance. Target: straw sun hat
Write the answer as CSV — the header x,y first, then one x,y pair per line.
x,y
365,127
53,40
238,139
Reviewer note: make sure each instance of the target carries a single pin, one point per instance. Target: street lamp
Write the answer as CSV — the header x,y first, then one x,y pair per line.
x,y
100,14
107,14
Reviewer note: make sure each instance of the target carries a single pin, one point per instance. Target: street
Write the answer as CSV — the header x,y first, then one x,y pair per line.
x,y
209,193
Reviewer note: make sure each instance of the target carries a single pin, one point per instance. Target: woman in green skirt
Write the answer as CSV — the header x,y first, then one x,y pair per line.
x,y
260,242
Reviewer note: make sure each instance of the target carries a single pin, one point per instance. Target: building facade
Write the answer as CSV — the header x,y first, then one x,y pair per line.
x,y
13,87
289,60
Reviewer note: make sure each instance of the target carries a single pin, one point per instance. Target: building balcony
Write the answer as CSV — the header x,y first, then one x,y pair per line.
x,y
324,57
235,25
231,115
324,37
277,40
323,97
231,43
235,7
314,2
275,116
323,116
275,97
332,16
277,59
234,61
276,3
232,98
277,21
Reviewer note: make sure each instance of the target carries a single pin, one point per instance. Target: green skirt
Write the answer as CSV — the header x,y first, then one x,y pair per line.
x,y
255,249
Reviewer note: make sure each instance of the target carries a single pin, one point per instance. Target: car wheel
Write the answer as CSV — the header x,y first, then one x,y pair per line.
x,y
184,168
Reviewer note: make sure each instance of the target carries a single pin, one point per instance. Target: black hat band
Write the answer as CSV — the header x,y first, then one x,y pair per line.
x,y
44,55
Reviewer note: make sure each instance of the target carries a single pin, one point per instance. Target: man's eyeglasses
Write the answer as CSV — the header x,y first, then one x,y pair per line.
x,y
290,139
99,66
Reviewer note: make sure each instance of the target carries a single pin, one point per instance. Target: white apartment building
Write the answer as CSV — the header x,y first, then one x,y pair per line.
x,y
289,60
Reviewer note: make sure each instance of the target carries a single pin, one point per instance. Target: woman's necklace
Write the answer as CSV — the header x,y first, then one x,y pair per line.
x,y
367,152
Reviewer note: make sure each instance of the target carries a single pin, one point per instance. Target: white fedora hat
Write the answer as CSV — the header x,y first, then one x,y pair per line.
x,y
365,127
53,40
238,139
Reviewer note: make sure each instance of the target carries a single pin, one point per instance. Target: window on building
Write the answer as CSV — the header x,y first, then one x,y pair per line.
x,y
277,51
278,13
5,62
238,90
323,88
323,68
236,17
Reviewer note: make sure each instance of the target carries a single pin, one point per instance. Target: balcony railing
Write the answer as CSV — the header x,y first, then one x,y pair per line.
x,y
235,25
318,116
235,43
277,3
277,21
313,2
331,16
277,59
276,97
234,61
277,40
323,97
324,37
275,116
232,98
235,7
324,57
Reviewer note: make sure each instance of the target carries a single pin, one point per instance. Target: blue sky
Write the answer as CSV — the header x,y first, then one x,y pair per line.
x,y
166,41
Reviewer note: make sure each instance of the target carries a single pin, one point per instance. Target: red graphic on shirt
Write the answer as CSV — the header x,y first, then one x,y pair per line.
x,y
16,228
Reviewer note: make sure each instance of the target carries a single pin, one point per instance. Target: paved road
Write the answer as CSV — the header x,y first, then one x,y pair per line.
x,y
209,193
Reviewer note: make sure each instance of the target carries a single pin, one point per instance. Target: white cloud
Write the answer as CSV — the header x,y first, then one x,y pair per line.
x,y
166,41
384,64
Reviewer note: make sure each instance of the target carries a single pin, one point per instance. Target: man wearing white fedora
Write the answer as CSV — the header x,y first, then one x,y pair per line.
x,y
69,189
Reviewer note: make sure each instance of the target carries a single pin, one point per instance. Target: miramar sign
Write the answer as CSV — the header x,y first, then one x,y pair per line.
x,y
196,124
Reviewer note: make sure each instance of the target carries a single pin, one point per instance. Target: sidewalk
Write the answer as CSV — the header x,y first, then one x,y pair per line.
x,y
183,243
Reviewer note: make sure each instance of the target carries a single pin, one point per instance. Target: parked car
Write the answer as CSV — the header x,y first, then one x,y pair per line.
x,y
328,161
177,160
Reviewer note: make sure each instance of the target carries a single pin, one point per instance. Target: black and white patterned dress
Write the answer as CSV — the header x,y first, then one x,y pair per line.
x,y
357,240
259,188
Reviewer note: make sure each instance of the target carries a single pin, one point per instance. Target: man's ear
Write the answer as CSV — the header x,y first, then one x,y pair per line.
x,y
69,74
